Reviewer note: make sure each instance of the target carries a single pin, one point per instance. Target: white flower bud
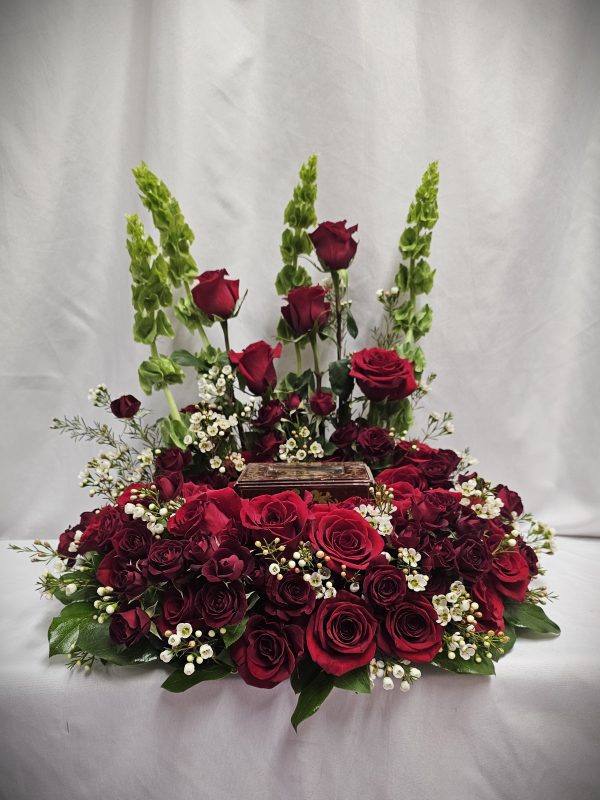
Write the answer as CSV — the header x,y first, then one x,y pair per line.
x,y
404,686
166,656
206,651
189,669
71,589
388,683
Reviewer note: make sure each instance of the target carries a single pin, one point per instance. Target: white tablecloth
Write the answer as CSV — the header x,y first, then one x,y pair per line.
x,y
530,732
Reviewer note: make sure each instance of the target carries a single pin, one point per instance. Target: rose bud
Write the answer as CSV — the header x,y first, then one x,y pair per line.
x,y
382,374
292,401
334,245
307,309
269,414
255,365
216,295
125,407
322,403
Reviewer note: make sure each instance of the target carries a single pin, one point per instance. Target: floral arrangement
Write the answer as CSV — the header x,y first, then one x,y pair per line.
x,y
436,566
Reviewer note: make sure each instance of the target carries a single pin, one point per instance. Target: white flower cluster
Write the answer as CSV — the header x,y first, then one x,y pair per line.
x,y
208,428
414,580
111,471
320,582
487,506
99,396
384,294
180,642
378,519
155,517
388,670
453,606
213,384
300,447
457,644
541,538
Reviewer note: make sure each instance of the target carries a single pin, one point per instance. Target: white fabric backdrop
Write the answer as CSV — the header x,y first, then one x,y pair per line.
x,y
224,101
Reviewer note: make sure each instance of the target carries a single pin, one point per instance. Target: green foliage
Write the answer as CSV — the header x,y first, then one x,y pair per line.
x,y
299,215
305,672
355,681
234,632
157,372
406,323
339,378
531,617
178,681
312,697
469,667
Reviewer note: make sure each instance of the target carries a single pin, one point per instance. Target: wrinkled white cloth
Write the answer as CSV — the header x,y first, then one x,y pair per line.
x,y
531,732
225,101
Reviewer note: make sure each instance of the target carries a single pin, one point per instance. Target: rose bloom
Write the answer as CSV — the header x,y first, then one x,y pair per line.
x,y
322,403
435,464
408,474
510,571
169,485
491,605
213,511
216,295
132,541
375,443
181,604
334,245
267,445
267,652
255,365
125,407
129,627
229,562
345,435
410,631
292,401
341,634
384,586
222,604
172,460
121,574
165,560
346,537
101,528
289,598
269,515
307,309
269,414
382,374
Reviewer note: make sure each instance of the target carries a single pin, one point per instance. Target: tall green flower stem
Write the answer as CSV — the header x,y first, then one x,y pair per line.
x,y
298,358
173,410
225,329
315,350
335,279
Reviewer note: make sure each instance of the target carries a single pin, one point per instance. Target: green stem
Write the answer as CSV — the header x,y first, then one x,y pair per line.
x,y
335,279
298,358
201,331
315,350
225,328
173,410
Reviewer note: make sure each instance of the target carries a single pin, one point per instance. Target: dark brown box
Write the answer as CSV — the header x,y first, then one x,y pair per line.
x,y
329,481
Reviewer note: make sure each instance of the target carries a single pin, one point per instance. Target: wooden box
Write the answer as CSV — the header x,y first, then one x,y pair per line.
x,y
330,481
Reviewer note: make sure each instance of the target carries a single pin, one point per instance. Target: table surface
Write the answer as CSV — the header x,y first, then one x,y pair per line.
x,y
530,732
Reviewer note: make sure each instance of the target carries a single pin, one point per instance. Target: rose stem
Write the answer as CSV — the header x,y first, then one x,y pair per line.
x,y
201,331
225,334
225,329
335,279
318,373
173,410
298,358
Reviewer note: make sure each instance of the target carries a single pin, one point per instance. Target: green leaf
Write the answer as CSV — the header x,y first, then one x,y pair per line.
x,y
64,629
355,681
291,277
422,322
173,432
157,372
185,359
305,672
234,632
179,682
531,617
459,665
311,698
339,378
351,325
421,277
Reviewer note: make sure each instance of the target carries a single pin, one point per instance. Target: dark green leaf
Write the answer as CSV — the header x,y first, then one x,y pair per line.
x,y
234,632
339,378
178,681
64,629
470,667
311,698
531,617
305,672
355,681
351,325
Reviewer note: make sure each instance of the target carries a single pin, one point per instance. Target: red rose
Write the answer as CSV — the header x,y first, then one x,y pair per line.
x,y
213,511
169,485
269,515
255,365
292,401
267,652
125,407
473,558
121,574
411,631
125,496
269,414
384,586
511,575
382,374
179,605
512,503
334,245
165,560
267,445
215,294
437,465
322,403
306,310
341,634
222,604
132,541
344,536
491,605
101,528
129,627
345,436
408,474
289,598
375,443
229,562
172,460
437,509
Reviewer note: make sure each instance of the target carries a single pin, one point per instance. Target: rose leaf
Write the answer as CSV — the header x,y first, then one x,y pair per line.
x,y
531,617
311,698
